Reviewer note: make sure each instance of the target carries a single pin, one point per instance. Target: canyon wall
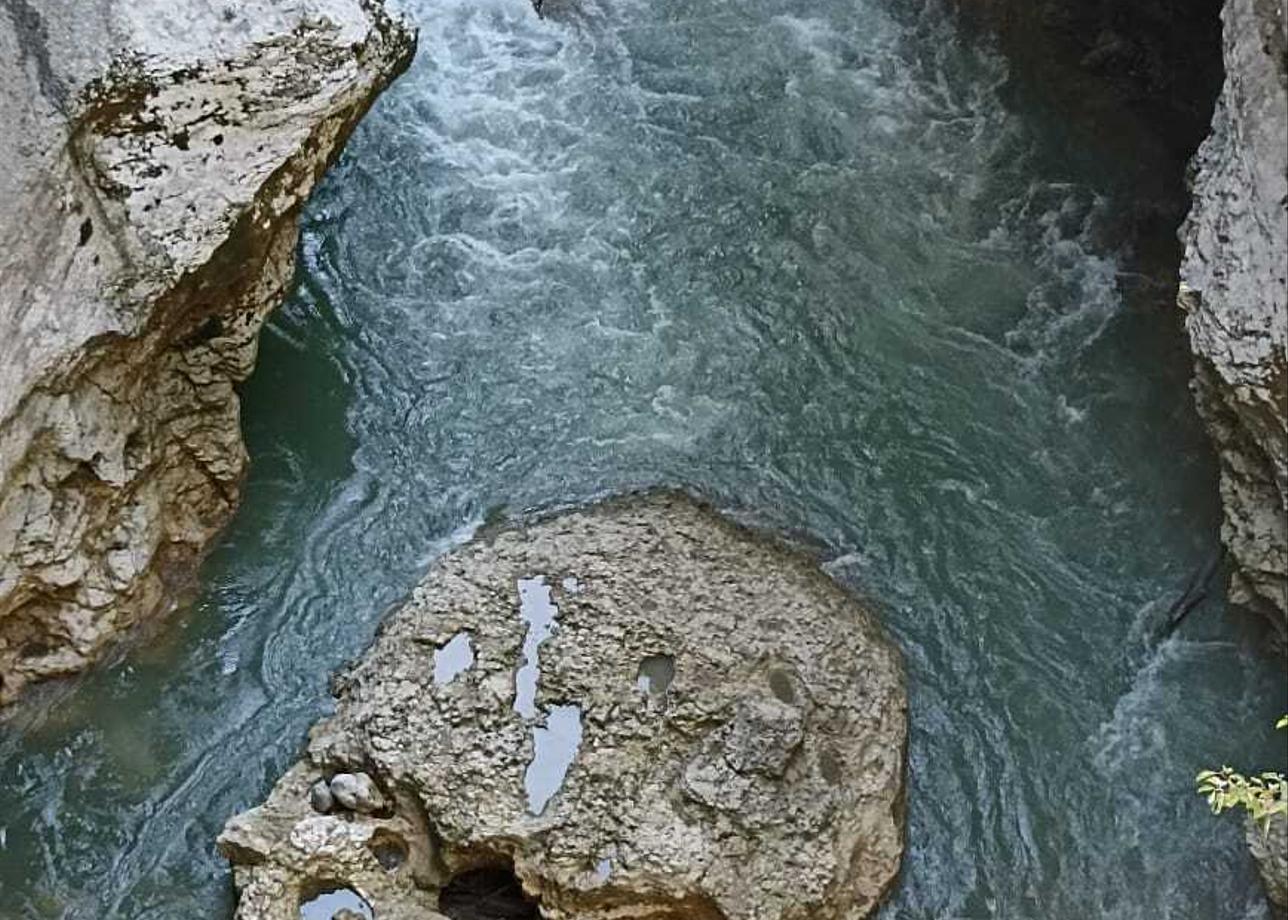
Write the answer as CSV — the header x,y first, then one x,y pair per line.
x,y
1234,293
156,156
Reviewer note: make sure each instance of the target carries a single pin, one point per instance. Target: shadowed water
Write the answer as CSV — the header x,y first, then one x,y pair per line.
x,y
797,257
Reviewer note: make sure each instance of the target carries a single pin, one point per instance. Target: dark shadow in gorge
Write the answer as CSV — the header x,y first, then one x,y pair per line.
x,y
1118,97
1127,88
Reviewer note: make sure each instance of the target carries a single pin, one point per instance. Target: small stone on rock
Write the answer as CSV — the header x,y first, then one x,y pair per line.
x,y
356,792
320,797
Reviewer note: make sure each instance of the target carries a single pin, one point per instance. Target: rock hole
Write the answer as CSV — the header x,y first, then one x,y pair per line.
x,y
135,449
487,894
86,231
211,328
781,684
453,659
329,900
35,648
829,764
218,140
181,140
655,674
390,849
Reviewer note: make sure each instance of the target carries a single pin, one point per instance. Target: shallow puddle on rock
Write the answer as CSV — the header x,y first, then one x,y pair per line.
x,y
655,674
453,659
555,748
571,585
327,904
603,869
539,612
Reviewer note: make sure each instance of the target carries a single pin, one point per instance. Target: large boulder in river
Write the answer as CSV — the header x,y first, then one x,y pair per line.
x,y
1235,297
638,710
156,154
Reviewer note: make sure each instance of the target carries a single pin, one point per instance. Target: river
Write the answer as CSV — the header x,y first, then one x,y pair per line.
x,y
805,259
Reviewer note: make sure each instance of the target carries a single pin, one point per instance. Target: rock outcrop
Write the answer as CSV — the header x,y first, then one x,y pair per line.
x,y
155,157
1270,850
1234,293
638,710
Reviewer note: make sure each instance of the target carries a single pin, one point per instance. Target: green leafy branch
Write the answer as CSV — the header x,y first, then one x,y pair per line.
x,y
1263,795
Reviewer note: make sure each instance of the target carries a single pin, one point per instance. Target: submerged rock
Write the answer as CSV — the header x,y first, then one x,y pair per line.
x,y
1235,297
156,154
757,776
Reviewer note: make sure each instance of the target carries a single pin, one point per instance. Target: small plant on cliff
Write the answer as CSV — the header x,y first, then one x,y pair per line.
x,y
1263,795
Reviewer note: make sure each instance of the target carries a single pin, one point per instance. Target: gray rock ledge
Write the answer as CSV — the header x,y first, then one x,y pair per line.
x,y
740,725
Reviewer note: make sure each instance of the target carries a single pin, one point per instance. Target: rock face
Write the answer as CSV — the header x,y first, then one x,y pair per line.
x,y
1235,296
1271,853
155,158
656,714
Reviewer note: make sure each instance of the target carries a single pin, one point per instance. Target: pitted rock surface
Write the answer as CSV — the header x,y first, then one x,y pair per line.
x,y
765,783
155,157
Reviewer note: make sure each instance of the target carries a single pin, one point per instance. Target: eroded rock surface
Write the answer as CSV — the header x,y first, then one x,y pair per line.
x,y
732,725
1235,296
155,157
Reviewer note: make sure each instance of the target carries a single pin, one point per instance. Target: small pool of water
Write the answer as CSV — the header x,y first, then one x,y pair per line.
x,y
453,659
538,611
555,746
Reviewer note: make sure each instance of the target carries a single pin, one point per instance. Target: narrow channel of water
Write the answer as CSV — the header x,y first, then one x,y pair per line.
x,y
796,256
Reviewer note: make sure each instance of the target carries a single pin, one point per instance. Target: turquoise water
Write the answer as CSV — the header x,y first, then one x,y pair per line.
x,y
800,258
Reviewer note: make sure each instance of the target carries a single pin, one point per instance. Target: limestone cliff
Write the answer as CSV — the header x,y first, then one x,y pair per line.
x,y
1234,292
155,157
639,710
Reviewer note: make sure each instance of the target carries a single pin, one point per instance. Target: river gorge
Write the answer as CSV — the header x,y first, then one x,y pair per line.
x,y
819,264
